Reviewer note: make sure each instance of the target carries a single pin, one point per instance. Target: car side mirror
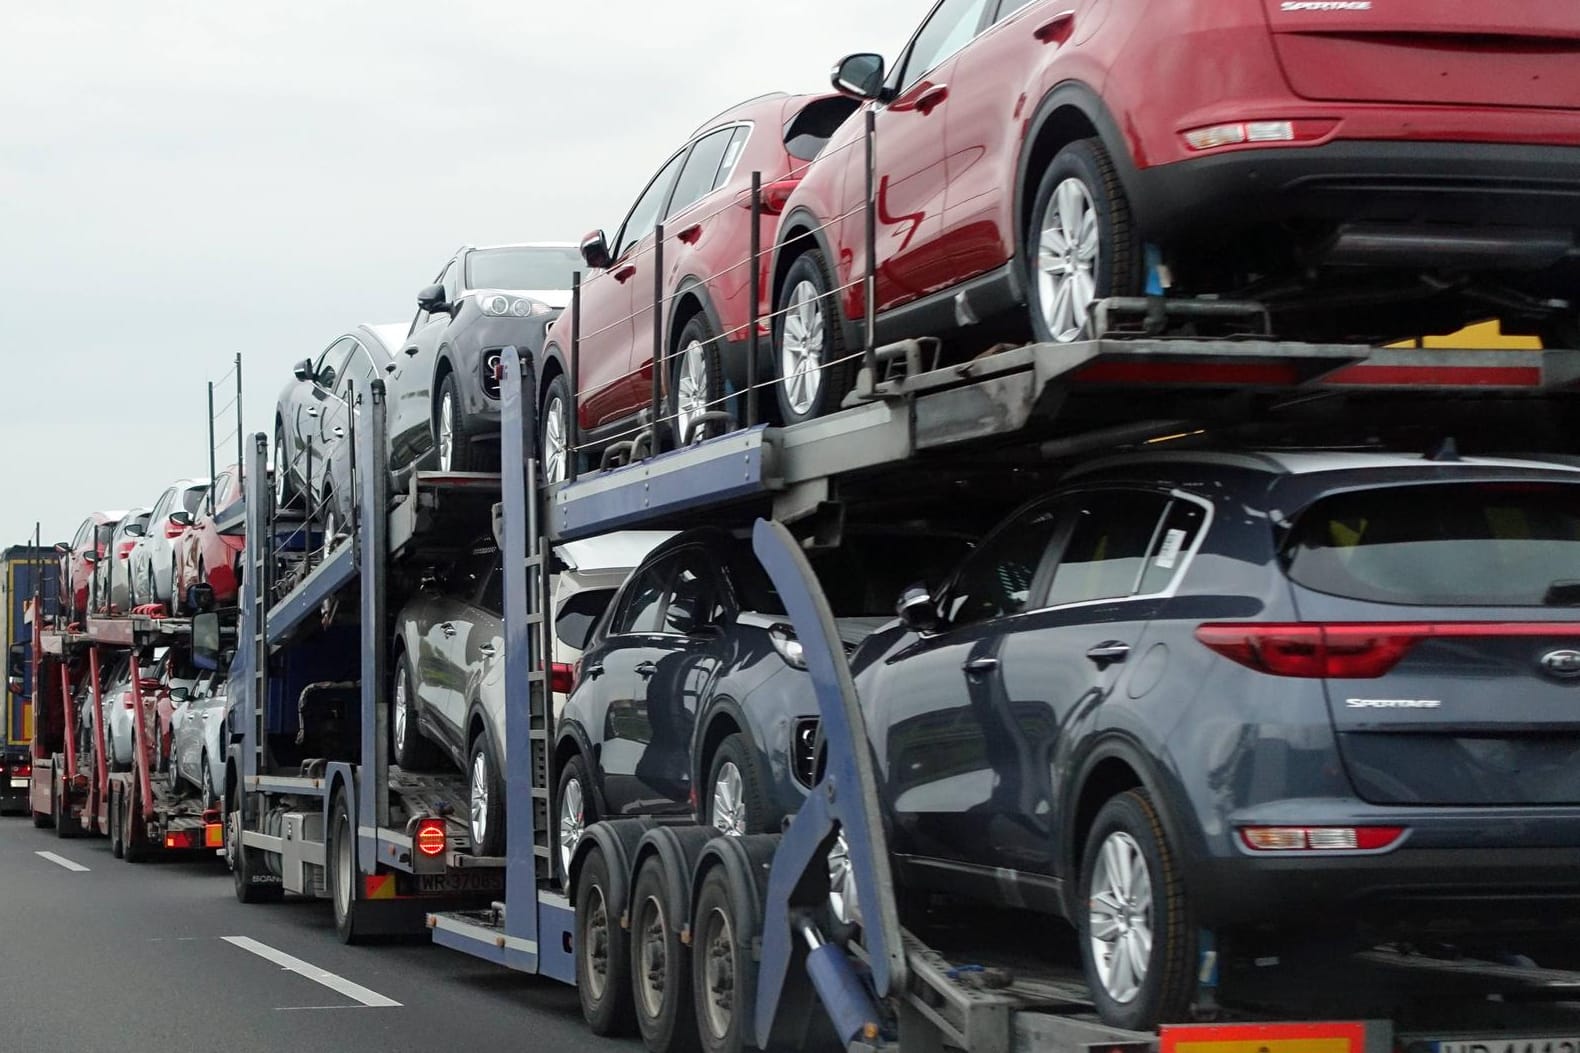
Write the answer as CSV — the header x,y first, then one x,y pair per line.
x,y
180,694
429,580
595,251
860,76
303,370
431,299
181,518
90,558
917,609
134,530
14,685
62,547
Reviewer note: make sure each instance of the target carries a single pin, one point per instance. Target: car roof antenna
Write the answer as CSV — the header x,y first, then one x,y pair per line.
x,y
1448,450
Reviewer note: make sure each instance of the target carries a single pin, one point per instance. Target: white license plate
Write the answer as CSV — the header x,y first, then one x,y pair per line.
x,y
20,780
1552,1044
486,881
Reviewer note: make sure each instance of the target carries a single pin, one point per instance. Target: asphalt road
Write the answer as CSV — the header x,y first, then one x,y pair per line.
x,y
160,957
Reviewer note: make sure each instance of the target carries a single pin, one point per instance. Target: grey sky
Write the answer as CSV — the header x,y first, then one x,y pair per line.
x,y
180,182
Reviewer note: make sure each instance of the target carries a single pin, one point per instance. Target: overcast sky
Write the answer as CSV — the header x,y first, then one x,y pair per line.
x,y
182,182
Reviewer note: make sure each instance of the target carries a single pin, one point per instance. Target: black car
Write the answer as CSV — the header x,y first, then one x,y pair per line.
x,y
444,409
314,411
1244,693
691,697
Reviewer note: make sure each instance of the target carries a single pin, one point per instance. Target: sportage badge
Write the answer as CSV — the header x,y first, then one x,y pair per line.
x,y
1565,665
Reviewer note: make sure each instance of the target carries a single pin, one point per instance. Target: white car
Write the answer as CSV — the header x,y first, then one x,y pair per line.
x,y
112,572
153,556
198,736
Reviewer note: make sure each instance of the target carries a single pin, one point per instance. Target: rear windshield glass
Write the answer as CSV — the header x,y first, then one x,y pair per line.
x,y
545,267
808,131
1461,544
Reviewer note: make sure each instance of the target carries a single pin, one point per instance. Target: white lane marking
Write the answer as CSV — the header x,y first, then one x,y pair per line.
x,y
355,992
62,861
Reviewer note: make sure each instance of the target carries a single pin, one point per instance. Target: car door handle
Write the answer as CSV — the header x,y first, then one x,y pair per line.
x,y
624,273
447,628
646,668
338,432
1108,652
930,99
488,650
312,411
691,234
412,350
978,666
1057,29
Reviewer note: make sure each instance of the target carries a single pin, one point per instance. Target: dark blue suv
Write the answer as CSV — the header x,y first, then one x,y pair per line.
x,y
1247,693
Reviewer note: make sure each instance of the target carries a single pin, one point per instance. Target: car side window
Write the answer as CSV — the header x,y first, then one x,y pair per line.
x,y
162,507
222,490
1007,8
470,575
996,580
84,532
695,597
953,25
1111,533
332,362
643,600
451,280
492,596
644,214
358,370
1166,559
699,175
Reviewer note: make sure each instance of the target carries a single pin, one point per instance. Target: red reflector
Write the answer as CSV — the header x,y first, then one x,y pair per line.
x,y
1120,371
1356,651
182,839
431,838
1320,838
562,678
1438,376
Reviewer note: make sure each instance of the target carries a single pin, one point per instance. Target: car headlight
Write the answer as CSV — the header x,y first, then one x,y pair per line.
x,y
497,305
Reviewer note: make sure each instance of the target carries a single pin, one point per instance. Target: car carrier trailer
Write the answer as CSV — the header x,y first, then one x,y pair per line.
x,y
743,951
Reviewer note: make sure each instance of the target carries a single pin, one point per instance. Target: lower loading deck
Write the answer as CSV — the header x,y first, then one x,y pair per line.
x,y
482,934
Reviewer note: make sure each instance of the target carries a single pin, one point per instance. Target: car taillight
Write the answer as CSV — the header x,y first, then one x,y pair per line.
x,y
775,196
431,838
22,771
173,530
1349,651
562,678
1320,838
125,551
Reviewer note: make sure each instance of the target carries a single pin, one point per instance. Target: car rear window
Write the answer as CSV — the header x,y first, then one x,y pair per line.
x,y
1514,544
808,131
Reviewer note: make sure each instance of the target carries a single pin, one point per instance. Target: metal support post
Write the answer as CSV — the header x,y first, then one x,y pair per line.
x,y
658,342
756,298
71,720
573,422
145,781
240,465
213,468
372,541
870,355
101,767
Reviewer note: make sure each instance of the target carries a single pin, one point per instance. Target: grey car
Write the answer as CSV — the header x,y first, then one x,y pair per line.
x,y
153,557
445,414
112,574
449,684
199,734
313,430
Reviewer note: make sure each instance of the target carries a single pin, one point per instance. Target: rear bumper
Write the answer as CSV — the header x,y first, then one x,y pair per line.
x,y
1411,183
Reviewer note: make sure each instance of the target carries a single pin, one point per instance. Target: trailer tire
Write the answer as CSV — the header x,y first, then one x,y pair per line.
x,y
342,867
245,869
65,829
722,969
43,821
117,835
1128,833
603,983
660,964
134,849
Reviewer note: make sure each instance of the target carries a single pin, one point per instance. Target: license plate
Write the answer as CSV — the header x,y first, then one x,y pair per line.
x,y
20,780
1509,1045
463,881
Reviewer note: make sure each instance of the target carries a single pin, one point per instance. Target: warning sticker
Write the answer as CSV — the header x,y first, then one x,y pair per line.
x,y
1169,552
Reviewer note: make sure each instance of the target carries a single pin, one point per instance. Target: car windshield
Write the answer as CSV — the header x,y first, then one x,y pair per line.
x,y
540,267
864,576
1495,544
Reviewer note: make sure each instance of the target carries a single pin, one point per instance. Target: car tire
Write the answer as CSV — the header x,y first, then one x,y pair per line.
x,y
452,443
176,600
660,965
1093,249
575,809
173,773
207,779
284,491
554,454
343,874
485,792
1131,890
812,369
603,984
696,380
735,803
411,750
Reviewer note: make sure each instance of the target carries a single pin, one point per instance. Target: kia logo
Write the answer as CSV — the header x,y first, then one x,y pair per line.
x,y
1562,664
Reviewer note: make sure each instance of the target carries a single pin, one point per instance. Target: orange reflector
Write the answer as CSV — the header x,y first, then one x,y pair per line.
x,y
170,840
214,835
431,838
1264,1038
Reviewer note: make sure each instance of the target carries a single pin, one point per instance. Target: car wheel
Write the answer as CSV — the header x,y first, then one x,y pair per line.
x,y
736,804
412,751
207,778
284,492
486,793
1136,934
576,810
814,373
175,600
331,519
554,452
660,965
1082,246
696,382
456,453
174,774
603,983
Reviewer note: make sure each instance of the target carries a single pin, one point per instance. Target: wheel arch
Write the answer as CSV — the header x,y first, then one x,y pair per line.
x,y
573,744
690,298
724,719
800,231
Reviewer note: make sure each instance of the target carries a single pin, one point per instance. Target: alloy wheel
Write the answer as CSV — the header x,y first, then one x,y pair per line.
x,y
280,468
555,453
691,389
446,432
400,712
801,350
480,797
1120,919
842,901
573,822
1067,259
728,811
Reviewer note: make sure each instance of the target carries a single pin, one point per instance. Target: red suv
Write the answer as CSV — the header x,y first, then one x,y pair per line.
x,y
1366,170
702,196
210,552
79,556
